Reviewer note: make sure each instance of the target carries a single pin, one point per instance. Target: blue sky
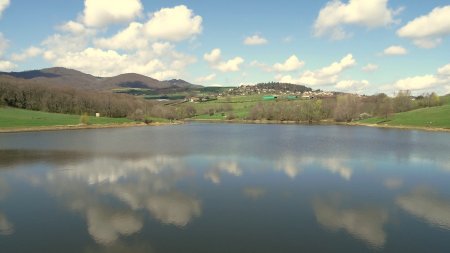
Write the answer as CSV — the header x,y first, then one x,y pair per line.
x,y
361,46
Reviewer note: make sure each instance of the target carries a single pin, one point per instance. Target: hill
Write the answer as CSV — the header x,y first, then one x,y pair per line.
x,y
438,116
76,79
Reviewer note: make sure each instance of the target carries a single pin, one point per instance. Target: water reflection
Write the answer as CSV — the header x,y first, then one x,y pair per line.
x,y
158,192
292,166
229,167
254,192
393,183
6,226
428,206
137,184
364,223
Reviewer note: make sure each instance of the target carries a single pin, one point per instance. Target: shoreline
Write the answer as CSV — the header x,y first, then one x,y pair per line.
x,y
81,127
218,121
214,121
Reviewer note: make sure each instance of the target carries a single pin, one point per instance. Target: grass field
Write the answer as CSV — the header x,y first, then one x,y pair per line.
x,y
241,106
425,117
18,118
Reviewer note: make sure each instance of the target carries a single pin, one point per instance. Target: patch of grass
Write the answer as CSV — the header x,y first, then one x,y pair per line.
x,y
425,117
13,117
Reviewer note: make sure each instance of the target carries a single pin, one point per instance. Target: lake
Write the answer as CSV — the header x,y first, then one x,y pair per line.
x,y
225,188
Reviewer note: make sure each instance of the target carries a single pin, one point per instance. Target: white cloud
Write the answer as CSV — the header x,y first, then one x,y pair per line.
x,y
255,40
128,39
352,85
214,58
444,70
370,67
326,76
73,27
7,66
291,64
395,50
77,47
174,24
109,62
438,82
101,13
417,83
231,65
207,78
3,5
336,14
427,31
27,53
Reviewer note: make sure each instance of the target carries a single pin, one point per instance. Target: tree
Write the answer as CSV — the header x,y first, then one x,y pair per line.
x,y
402,102
347,107
311,110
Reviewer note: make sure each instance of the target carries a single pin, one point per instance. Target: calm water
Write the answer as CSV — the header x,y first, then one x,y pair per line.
x,y
225,188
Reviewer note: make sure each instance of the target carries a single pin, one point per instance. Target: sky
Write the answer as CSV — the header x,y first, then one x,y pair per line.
x,y
358,46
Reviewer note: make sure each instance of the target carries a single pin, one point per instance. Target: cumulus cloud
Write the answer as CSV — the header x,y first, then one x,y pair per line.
x,y
255,40
439,81
128,39
3,5
72,48
325,76
27,53
291,64
444,70
428,206
417,82
370,67
7,66
207,78
352,85
428,30
363,223
214,58
174,24
395,50
336,14
100,13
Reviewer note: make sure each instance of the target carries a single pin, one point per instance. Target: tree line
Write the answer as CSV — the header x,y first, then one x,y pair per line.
x,y
63,99
342,108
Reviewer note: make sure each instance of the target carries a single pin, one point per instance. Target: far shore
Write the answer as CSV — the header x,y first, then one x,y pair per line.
x,y
82,126
431,129
216,121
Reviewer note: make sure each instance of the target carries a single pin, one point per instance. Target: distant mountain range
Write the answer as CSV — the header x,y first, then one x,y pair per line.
x,y
76,79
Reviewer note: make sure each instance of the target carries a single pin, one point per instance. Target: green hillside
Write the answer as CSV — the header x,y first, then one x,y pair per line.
x,y
425,117
15,118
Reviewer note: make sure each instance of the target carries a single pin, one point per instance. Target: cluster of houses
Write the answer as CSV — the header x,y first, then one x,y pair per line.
x,y
245,90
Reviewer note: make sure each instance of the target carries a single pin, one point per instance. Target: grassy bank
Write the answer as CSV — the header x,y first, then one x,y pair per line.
x,y
432,117
19,118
